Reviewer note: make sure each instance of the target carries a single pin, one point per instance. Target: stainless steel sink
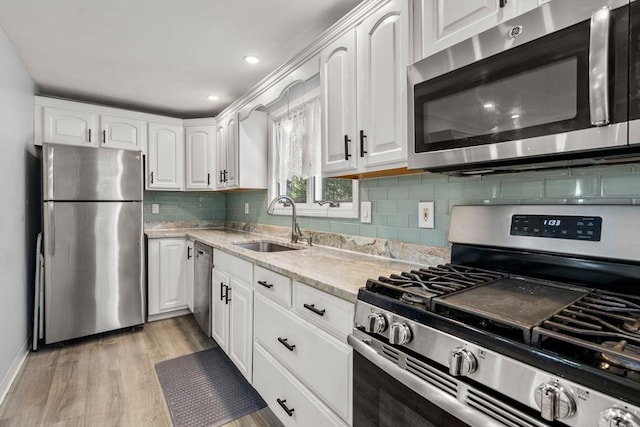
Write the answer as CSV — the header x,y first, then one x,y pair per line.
x,y
264,246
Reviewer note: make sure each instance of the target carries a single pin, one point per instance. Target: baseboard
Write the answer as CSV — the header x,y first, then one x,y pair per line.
x,y
168,314
18,361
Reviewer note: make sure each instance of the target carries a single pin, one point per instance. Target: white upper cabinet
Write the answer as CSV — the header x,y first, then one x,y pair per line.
x,y
165,158
66,126
76,123
364,96
383,54
338,77
241,151
121,132
443,23
200,169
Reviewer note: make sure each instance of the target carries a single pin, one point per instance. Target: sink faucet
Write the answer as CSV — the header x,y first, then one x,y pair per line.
x,y
296,234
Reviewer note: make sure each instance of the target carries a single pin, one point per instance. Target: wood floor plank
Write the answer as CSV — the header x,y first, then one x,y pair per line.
x,y
107,380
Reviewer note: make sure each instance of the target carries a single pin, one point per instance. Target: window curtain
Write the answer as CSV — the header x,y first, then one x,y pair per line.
x,y
298,143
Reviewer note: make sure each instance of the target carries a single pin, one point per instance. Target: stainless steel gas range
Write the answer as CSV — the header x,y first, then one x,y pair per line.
x,y
535,322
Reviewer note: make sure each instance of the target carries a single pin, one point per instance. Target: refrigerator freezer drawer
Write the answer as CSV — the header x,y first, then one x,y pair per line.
x,y
93,268
82,173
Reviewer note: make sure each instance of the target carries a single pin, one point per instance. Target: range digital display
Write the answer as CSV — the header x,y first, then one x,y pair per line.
x,y
557,227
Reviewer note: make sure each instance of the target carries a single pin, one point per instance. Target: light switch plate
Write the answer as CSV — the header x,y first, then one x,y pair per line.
x,y
246,208
365,212
426,215
155,208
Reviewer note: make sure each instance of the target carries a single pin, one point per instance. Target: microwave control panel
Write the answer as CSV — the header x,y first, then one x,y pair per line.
x,y
557,226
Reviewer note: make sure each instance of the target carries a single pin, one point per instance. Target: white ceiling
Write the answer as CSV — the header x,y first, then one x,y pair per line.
x,y
161,56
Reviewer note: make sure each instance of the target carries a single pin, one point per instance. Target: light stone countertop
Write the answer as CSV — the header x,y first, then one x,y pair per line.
x,y
335,271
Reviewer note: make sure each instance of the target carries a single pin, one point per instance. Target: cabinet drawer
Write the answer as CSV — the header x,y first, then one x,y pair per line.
x,y
237,267
273,285
330,313
274,383
320,361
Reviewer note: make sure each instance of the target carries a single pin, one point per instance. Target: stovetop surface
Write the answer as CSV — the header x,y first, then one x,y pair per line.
x,y
514,301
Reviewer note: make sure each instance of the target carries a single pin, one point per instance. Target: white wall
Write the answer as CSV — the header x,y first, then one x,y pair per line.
x,y
19,210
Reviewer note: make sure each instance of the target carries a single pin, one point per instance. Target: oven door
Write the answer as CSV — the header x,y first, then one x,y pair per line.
x,y
392,389
553,81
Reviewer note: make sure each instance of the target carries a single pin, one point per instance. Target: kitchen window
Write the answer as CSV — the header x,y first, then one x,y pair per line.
x,y
296,166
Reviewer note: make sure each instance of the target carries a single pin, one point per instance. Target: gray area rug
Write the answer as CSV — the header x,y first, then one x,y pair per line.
x,y
206,389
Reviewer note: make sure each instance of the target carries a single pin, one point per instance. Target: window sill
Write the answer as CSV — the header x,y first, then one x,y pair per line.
x,y
346,210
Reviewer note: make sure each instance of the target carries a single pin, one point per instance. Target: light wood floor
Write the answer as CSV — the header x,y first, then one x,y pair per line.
x,y
108,380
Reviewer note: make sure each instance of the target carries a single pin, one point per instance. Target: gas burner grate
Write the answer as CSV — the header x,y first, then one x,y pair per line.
x,y
602,321
419,286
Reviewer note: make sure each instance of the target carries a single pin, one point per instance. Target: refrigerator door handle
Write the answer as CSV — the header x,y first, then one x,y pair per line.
x,y
50,238
48,173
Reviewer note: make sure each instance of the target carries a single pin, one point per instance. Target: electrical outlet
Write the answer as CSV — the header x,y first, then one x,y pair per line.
x,y
155,208
246,208
426,214
365,212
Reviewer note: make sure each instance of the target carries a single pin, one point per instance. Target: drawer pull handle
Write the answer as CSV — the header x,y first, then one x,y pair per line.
x,y
284,406
284,342
313,308
265,284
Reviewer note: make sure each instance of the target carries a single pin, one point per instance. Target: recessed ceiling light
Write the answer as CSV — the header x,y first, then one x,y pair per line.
x,y
213,98
252,59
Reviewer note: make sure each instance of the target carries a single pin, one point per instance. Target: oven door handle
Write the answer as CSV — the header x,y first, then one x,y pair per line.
x,y
436,396
598,67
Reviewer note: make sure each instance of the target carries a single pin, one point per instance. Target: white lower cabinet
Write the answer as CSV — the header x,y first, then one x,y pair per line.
x,y
287,397
167,276
321,362
232,309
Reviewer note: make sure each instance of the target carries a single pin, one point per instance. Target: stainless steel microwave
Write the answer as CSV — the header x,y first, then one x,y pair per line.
x,y
555,86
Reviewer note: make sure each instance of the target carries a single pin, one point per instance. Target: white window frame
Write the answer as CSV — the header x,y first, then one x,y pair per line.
x,y
345,210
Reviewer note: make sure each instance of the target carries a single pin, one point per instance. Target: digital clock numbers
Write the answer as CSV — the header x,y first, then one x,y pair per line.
x,y
557,227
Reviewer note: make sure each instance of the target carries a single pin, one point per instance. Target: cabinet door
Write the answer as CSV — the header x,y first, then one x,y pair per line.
x,y
446,22
231,176
120,132
198,144
338,77
167,285
189,275
220,308
382,101
71,127
241,327
221,156
165,158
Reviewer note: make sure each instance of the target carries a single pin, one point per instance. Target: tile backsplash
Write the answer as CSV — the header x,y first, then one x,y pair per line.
x,y
395,199
184,206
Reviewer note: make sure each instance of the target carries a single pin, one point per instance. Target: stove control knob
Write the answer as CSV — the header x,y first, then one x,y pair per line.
x,y
554,401
616,417
376,323
462,362
399,334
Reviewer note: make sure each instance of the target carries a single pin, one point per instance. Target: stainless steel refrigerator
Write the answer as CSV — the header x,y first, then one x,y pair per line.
x,y
93,242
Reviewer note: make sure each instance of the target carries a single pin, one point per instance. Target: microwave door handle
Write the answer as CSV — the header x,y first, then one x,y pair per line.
x,y
598,69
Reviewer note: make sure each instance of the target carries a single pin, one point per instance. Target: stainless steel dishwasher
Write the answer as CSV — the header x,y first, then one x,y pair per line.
x,y
202,286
